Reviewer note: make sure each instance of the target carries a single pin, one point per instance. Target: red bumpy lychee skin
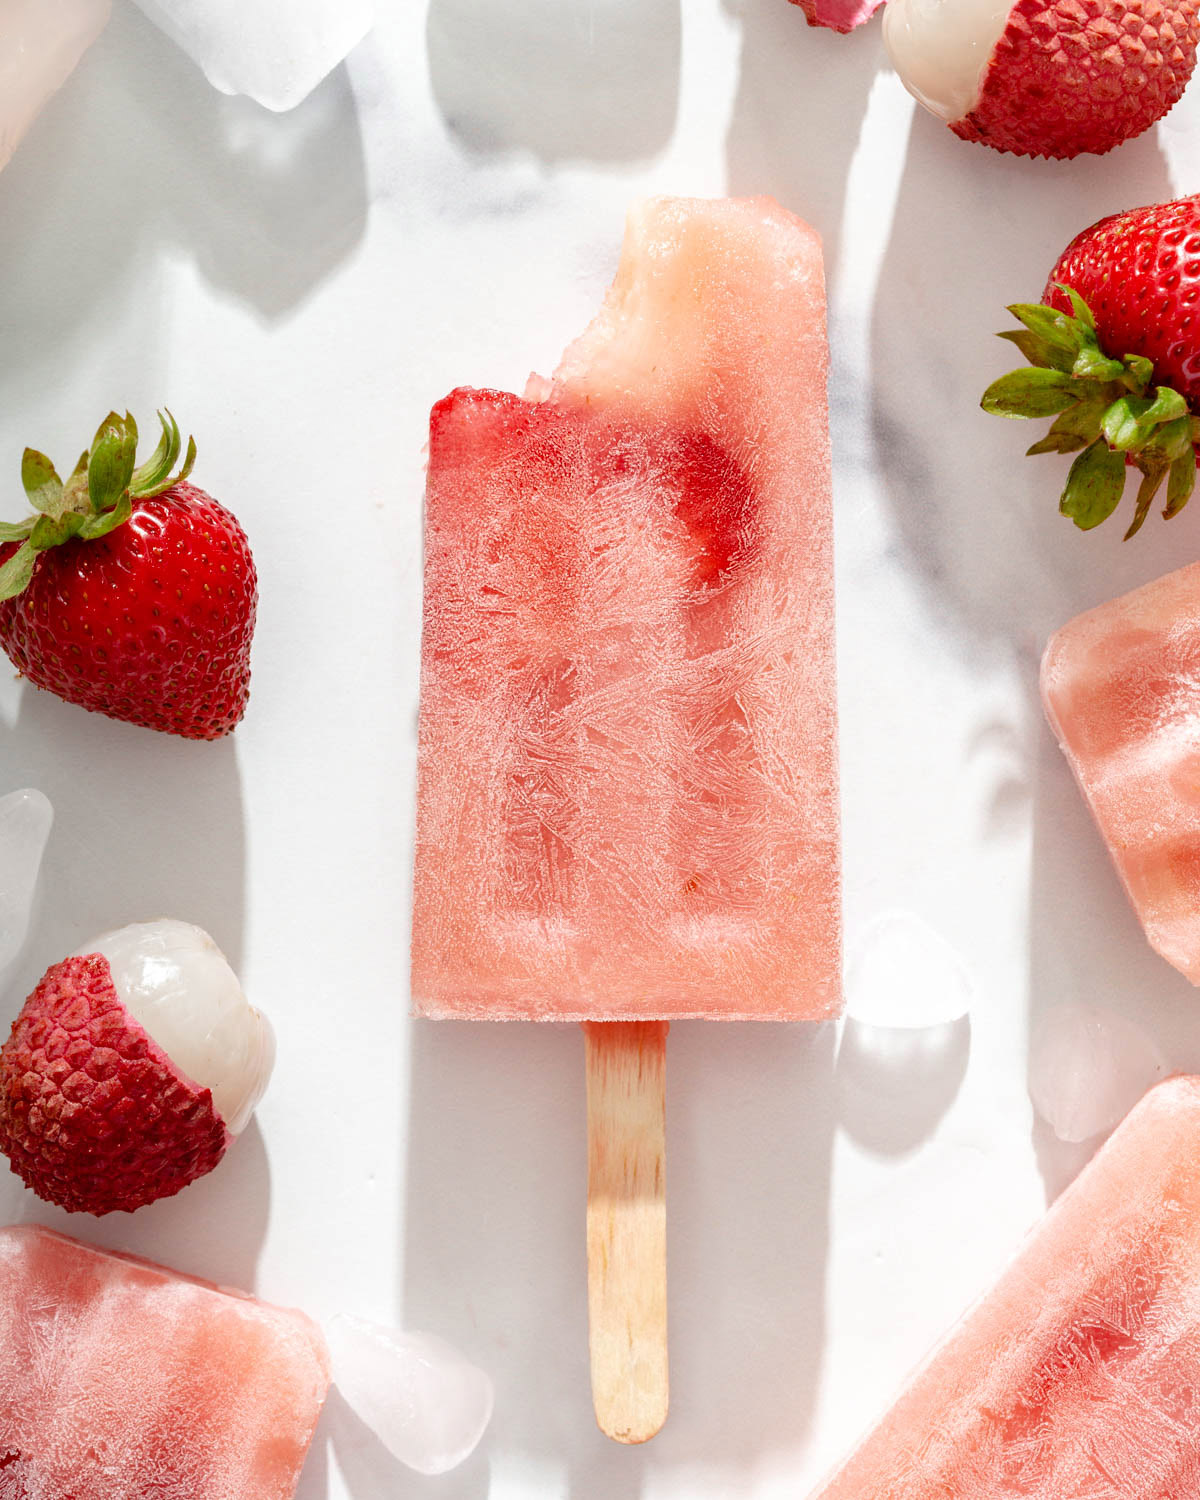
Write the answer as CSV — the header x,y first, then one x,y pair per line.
x,y
839,15
93,1114
1070,76
1139,272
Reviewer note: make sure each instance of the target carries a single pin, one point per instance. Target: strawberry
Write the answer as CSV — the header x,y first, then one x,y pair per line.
x,y
130,592
1114,347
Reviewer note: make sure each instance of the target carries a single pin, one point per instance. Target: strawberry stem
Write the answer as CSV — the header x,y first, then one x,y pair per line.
x,y
96,499
1107,412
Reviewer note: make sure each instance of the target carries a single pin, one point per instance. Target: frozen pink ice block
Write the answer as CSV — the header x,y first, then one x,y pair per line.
x,y
121,1380
1121,686
628,783
1078,1376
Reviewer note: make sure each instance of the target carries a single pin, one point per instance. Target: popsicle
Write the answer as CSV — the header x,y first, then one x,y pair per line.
x,y
1121,687
627,807
122,1379
1078,1376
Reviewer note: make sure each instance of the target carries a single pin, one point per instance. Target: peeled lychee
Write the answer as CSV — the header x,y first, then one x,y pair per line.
x,y
130,1069
1044,77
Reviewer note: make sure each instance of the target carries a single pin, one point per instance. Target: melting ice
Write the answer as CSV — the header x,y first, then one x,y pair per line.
x,y
904,974
426,1403
1088,1067
275,51
25,819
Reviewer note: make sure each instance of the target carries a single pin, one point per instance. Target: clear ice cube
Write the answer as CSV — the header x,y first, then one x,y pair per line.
x,y
40,43
25,819
1088,1067
274,51
903,974
426,1403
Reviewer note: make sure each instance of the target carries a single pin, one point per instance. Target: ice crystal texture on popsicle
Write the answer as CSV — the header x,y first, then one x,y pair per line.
x,y
25,820
427,1404
1121,687
628,789
40,43
1078,1376
274,52
122,1380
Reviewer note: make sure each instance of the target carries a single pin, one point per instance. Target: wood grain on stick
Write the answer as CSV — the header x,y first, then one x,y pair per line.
x,y
627,1225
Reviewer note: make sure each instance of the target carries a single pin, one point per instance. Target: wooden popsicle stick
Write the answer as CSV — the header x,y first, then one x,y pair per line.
x,y
627,1225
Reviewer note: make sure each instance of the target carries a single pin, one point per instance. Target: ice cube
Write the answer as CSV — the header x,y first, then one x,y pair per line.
x,y
904,974
25,819
275,51
1088,1067
40,43
426,1403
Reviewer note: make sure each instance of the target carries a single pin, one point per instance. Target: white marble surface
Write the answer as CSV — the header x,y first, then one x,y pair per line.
x,y
447,209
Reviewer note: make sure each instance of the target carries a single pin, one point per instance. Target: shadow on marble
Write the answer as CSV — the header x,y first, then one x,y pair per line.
x,y
565,82
1086,945
495,1257
265,205
146,825
977,525
801,98
977,520
214,1228
751,1112
895,1083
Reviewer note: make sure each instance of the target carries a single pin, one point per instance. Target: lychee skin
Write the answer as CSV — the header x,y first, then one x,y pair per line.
x,y
839,15
1071,76
93,1114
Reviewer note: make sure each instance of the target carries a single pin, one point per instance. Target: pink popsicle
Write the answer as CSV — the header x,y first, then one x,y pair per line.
x,y
1078,1376
1121,687
627,804
628,783
121,1380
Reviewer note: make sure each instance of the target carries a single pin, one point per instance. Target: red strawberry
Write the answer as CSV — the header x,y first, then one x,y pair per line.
x,y
1114,347
1139,271
130,593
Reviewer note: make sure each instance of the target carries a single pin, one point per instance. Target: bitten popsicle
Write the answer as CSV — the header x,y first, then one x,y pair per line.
x,y
119,1378
1121,688
1078,1375
628,766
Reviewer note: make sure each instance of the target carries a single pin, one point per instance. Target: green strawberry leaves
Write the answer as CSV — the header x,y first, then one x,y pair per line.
x,y
1094,485
1107,412
111,461
41,482
1036,392
96,499
155,475
17,571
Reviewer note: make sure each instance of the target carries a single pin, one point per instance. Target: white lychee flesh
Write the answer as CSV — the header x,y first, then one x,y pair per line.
x,y
178,986
940,49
